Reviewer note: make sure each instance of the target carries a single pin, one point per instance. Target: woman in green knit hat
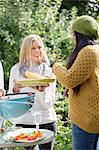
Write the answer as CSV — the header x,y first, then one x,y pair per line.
x,y
81,77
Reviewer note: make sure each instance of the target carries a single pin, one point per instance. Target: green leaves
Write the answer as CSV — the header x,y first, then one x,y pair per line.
x,y
20,18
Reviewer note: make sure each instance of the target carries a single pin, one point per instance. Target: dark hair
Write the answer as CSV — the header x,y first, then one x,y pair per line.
x,y
81,41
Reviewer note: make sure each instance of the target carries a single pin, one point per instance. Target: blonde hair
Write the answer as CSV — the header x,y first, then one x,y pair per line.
x,y
25,51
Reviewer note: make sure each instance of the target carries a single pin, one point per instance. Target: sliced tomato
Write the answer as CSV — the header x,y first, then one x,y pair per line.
x,y
39,134
33,137
29,138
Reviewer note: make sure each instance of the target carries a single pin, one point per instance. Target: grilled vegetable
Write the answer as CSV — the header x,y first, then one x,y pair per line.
x,y
29,136
32,75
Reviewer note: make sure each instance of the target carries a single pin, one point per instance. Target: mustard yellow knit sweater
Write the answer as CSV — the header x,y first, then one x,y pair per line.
x,y
84,106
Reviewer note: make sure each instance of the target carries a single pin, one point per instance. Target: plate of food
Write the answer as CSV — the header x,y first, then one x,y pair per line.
x,y
25,135
32,82
33,79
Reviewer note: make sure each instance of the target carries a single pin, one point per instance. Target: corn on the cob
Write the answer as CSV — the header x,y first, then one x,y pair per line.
x,y
31,75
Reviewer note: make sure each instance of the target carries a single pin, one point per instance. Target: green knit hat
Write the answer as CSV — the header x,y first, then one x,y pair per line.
x,y
87,26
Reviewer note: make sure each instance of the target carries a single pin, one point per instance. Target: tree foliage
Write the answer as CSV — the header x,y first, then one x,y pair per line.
x,y
20,18
85,7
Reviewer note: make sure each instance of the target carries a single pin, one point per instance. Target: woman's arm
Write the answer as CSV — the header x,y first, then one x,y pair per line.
x,y
79,72
2,90
47,97
1,77
13,75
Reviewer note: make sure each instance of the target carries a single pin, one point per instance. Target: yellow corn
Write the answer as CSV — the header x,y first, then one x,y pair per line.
x,y
31,75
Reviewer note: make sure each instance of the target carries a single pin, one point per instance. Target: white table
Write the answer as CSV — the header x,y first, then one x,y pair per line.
x,y
47,138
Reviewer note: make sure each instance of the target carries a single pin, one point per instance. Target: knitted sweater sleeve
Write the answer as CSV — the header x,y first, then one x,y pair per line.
x,y
80,70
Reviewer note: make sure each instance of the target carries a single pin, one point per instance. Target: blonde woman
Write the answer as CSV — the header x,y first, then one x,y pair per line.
x,y
33,58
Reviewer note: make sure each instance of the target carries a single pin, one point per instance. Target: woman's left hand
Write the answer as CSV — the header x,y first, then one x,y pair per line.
x,y
56,66
40,88
2,92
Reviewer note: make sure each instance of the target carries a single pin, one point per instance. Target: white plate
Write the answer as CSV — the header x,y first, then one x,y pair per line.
x,y
13,134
